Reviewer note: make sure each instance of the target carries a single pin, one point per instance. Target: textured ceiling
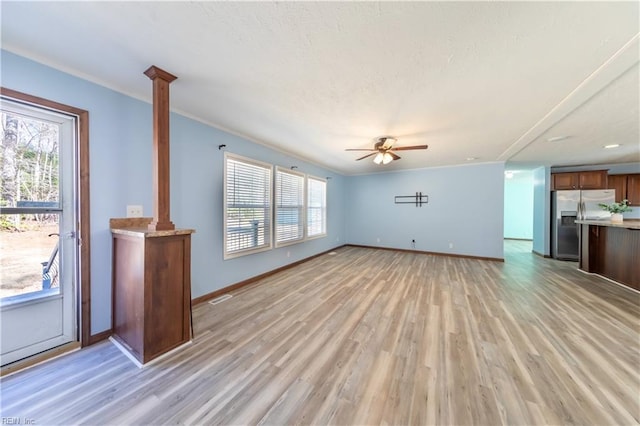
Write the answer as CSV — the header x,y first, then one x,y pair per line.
x,y
487,80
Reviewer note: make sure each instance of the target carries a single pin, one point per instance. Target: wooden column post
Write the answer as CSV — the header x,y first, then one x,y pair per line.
x,y
152,267
161,176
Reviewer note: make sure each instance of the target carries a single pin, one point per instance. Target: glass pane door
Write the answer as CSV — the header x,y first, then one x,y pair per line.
x,y
37,230
30,258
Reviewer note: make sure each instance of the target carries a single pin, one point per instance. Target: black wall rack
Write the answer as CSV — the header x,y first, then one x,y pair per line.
x,y
417,199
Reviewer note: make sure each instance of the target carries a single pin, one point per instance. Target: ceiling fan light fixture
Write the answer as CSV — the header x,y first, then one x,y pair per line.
x,y
383,150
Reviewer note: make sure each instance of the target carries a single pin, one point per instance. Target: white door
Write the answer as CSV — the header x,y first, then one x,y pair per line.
x,y
38,243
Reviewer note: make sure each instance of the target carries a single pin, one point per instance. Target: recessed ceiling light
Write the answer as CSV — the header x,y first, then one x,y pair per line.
x,y
471,158
613,145
557,138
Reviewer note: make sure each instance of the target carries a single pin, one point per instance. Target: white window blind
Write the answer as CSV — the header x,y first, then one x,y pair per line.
x,y
247,206
289,206
316,207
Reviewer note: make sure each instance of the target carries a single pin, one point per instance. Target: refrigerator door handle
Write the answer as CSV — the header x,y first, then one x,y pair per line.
x,y
579,210
578,233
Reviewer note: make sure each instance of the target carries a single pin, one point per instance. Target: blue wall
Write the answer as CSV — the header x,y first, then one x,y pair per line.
x,y
465,203
120,138
518,206
542,211
465,209
197,201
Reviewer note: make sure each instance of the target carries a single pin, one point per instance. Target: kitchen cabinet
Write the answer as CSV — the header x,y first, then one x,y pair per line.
x,y
594,179
627,187
565,181
611,250
633,189
619,184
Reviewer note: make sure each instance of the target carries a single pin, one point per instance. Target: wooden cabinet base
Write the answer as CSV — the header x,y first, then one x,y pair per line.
x,y
612,252
151,291
126,350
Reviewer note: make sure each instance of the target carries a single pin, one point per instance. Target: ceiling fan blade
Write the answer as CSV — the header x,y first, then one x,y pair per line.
x,y
394,155
407,148
360,149
387,142
368,155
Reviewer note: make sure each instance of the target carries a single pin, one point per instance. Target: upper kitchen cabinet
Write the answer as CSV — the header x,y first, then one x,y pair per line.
x,y
595,179
633,189
627,187
565,181
619,183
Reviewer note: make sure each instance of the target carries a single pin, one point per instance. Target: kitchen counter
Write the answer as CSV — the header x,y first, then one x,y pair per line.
x,y
611,249
627,223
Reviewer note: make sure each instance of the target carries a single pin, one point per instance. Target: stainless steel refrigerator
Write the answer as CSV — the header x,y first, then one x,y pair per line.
x,y
569,206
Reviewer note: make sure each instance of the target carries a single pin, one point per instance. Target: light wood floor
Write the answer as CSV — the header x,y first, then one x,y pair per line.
x,y
373,337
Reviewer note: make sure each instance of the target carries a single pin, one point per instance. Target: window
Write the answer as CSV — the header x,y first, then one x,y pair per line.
x,y
316,207
247,216
296,203
289,206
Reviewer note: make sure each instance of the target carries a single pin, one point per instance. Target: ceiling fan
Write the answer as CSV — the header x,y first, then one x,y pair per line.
x,y
382,150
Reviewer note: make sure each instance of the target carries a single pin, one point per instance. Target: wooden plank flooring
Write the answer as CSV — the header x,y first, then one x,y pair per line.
x,y
373,337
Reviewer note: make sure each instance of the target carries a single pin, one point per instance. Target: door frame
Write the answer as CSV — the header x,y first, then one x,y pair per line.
x,y
83,225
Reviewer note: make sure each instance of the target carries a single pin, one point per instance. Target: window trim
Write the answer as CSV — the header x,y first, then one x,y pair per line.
x,y
268,239
326,208
304,207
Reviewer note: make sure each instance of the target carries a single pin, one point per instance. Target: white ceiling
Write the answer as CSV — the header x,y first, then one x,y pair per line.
x,y
487,80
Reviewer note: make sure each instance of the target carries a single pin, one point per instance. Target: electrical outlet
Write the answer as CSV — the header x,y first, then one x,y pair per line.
x,y
450,245
378,240
134,211
288,254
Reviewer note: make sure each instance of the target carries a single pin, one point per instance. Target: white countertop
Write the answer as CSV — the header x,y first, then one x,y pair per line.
x,y
627,223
